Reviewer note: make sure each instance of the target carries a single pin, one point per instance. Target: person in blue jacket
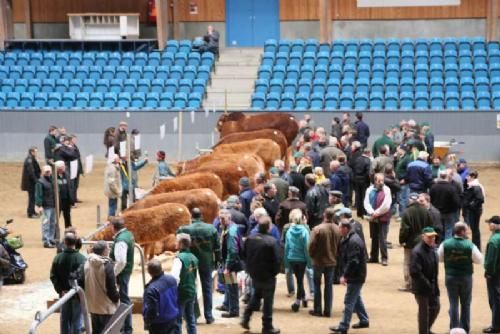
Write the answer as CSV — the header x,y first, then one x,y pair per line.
x,y
136,165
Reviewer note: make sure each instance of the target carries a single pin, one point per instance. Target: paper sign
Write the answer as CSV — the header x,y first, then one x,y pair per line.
x,y
127,114
123,149
175,123
213,138
192,116
73,168
111,153
162,131
137,142
498,121
213,109
206,112
89,163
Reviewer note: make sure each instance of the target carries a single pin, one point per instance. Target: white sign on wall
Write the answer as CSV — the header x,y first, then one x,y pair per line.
x,y
407,3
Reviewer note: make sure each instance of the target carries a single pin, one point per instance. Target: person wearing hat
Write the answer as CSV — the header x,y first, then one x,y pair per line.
x,y
424,279
162,170
234,206
492,273
246,194
404,157
414,219
462,169
353,261
292,202
281,185
120,135
113,184
335,200
459,254
45,201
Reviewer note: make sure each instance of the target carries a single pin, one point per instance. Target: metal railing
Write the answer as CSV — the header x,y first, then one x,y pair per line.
x,y
41,316
115,324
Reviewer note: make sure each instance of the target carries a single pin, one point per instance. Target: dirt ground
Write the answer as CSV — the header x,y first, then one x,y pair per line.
x,y
390,311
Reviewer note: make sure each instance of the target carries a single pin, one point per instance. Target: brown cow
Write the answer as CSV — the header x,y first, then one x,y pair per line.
x,y
191,181
266,149
275,135
229,172
251,163
204,199
239,122
152,225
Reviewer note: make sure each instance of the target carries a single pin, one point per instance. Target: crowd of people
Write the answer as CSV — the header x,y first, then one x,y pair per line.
x,y
297,220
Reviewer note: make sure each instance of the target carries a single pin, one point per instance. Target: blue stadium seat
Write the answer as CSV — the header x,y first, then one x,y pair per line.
x,y
162,72
293,72
376,101
157,85
319,86
348,85
261,86
154,59
81,72
273,101
4,72
484,100
36,59
172,46
297,45
199,86
176,72
361,101
95,72
135,72
141,59
258,101
323,58
122,72
203,73
180,100
190,72
194,59
295,59
129,86
391,101
23,59
271,45
101,59
143,85
276,86
61,85
422,100
152,100
16,72
184,46
496,100
290,86
167,59
88,59
279,72
138,100
311,45
406,101
116,86
288,101
452,100
284,46
96,100
208,59
268,59
171,86
320,72
331,101
180,59
26,100
307,72
110,100
34,85
62,59
48,85
302,101
437,100
346,100
74,58
185,86
39,100
10,59
88,85
468,100
317,101
82,100
305,86
124,100
7,85
102,86
128,59
309,59
54,101
108,72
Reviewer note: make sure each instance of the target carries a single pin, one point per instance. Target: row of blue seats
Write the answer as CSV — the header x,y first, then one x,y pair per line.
x,y
105,58
105,72
313,45
103,85
361,101
108,100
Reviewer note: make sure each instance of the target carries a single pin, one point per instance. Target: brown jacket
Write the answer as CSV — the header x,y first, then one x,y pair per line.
x,y
282,216
324,244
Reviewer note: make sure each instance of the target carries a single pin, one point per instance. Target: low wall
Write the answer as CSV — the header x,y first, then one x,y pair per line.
x,y
21,129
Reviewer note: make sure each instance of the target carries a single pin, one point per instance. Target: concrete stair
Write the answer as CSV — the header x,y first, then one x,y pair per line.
x,y
235,73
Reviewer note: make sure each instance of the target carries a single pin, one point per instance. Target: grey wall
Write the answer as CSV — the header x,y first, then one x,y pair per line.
x,y
299,29
20,130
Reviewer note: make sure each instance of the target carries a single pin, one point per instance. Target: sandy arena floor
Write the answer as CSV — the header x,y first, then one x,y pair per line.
x,y
390,311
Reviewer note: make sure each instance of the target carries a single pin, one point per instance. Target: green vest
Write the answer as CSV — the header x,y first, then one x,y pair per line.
x,y
491,258
204,242
187,283
128,238
458,257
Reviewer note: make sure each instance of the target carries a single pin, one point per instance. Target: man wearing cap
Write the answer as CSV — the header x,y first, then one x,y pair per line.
x,y
445,198
335,200
323,250
492,273
281,185
292,202
458,254
377,204
205,246
45,200
316,201
414,219
353,258
246,196
424,280
234,206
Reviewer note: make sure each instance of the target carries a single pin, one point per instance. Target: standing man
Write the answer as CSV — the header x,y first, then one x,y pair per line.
x,y
113,184
66,199
316,201
292,202
323,250
64,268
492,273
424,279
419,174
45,200
473,205
122,252
119,136
279,182
362,130
458,255
184,271
271,200
100,286
49,144
74,141
160,310
445,197
414,219
205,246
361,179
385,139
404,157
353,258
246,196
425,201
262,256
378,205
340,181
31,174
230,251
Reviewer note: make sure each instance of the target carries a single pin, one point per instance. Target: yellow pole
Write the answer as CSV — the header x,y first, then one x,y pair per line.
x,y
179,140
225,101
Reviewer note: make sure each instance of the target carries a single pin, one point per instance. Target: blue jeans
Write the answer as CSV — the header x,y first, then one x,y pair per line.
x,y
123,280
449,220
310,280
404,193
353,303
49,226
71,317
328,293
206,288
186,311
231,294
493,286
459,291
112,205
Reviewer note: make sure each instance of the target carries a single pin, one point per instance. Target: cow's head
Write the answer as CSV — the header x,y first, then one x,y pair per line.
x,y
226,117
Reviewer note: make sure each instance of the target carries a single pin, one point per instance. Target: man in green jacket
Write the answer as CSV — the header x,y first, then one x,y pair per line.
x,y
205,246
492,273
385,139
122,252
184,271
404,158
64,268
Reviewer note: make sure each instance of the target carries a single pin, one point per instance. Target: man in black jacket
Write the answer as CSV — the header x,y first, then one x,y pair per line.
x,y
271,201
361,180
424,278
292,202
353,258
31,174
297,180
49,143
80,167
262,256
316,201
66,199
446,199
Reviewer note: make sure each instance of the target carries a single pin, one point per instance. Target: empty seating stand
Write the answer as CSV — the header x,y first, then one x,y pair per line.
x,y
396,74
91,80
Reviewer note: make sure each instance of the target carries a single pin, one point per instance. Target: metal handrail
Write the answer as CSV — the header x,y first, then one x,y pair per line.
x,y
111,328
42,316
